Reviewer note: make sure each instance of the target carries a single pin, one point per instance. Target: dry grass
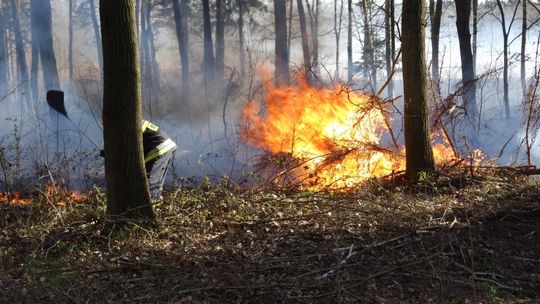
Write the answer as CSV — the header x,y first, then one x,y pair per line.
x,y
458,239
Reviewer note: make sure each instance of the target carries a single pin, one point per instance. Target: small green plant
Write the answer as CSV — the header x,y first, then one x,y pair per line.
x,y
491,293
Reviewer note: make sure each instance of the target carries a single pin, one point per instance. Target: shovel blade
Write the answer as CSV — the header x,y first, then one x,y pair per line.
x,y
55,100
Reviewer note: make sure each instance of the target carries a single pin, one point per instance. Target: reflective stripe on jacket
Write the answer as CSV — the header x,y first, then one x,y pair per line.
x,y
155,141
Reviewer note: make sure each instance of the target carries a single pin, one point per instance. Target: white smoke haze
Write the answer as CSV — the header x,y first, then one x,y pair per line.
x,y
39,146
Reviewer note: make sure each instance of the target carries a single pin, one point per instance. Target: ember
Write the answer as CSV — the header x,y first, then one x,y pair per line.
x,y
333,133
15,199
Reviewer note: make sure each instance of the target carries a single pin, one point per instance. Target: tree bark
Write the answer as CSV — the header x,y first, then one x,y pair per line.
x,y
475,32
314,12
220,44
338,18
419,153
34,51
435,16
127,186
370,70
506,100
208,56
350,67
21,56
463,14
523,47
3,57
305,44
241,38
70,40
99,47
282,56
180,18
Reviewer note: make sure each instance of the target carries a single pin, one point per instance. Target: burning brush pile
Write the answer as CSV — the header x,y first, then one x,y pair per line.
x,y
327,138
53,194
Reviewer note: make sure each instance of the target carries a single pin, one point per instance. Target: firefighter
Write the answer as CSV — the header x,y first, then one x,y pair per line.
x,y
158,152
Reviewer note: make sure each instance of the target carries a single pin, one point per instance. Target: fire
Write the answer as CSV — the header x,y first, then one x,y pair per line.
x,y
61,196
15,198
332,135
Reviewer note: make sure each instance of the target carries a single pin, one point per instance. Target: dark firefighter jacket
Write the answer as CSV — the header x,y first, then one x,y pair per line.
x,y
155,141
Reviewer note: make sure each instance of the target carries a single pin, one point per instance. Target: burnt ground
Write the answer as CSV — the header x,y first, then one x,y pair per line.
x,y
459,239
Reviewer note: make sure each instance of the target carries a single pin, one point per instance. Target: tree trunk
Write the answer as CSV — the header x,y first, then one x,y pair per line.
x,y
99,47
392,44
289,33
34,63
304,34
435,16
241,38
3,57
220,44
21,56
350,67
463,14
70,40
180,18
506,100
153,64
314,12
419,153
475,32
208,60
338,18
370,71
523,47
127,186
388,56
282,56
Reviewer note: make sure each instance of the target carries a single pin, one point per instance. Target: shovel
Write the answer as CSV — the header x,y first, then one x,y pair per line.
x,y
55,100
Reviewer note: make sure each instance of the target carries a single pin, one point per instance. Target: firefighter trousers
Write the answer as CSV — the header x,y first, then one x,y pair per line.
x,y
156,171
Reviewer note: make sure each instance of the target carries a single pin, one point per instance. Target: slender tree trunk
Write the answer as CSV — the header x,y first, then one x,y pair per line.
x,y
127,186
392,45
282,56
523,47
46,48
475,32
419,153
180,16
435,14
21,56
350,67
99,47
314,12
70,41
3,57
463,14
220,44
338,21
34,63
241,43
506,100
289,28
152,63
370,72
388,57
304,34
208,61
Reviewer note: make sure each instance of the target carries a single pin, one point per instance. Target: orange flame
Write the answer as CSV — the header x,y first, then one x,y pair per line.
x,y
333,134
15,198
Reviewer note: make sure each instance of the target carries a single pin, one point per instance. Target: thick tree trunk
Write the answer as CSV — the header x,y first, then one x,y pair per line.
x,y
305,43
220,44
419,153
282,56
463,14
435,9
22,66
180,18
350,67
127,186
523,47
208,56
97,34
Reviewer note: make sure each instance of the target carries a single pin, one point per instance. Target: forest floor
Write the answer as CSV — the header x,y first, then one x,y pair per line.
x,y
460,238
